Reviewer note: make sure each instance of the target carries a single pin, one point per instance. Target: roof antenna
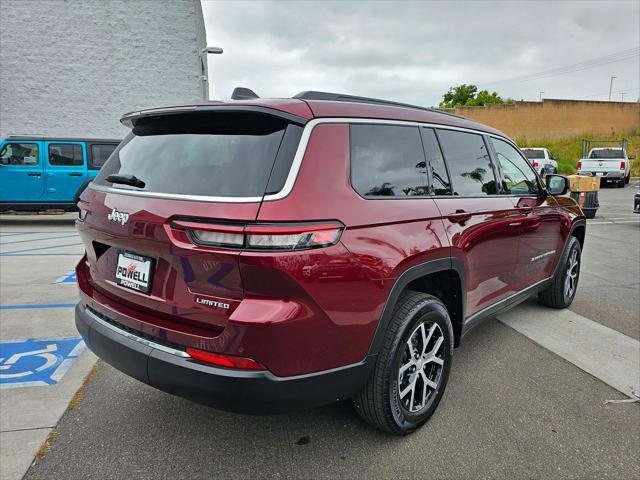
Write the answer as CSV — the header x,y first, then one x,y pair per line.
x,y
241,93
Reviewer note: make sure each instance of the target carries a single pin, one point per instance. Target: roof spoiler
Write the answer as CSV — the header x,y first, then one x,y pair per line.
x,y
241,93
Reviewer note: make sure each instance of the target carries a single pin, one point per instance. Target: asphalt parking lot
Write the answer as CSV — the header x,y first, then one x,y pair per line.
x,y
518,404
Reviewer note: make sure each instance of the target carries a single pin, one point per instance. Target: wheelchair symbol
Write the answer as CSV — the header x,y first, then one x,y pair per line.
x,y
37,362
45,354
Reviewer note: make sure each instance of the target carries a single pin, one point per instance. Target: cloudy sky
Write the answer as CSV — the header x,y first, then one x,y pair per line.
x,y
414,51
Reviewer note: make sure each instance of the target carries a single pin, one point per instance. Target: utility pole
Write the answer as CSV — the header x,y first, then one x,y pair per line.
x,y
541,95
622,96
611,86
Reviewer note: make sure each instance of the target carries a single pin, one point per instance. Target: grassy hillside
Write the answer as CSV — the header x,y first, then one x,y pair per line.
x,y
569,150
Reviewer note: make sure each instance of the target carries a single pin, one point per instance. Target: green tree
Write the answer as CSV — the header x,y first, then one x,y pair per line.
x,y
458,96
468,95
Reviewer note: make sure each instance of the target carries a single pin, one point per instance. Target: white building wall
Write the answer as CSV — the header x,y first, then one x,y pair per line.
x,y
73,67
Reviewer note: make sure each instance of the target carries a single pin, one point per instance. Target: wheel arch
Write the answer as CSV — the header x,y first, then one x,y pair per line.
x,y
428,277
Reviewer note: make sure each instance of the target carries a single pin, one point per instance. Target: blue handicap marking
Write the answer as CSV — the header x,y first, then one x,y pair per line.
x,y
37,361
66,278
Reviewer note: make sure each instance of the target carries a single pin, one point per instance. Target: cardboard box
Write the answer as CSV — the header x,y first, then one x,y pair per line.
x,y
583,183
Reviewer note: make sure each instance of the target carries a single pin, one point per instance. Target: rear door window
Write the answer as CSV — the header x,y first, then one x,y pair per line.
x,y
469,163
65,154
221,155
100,153
387,161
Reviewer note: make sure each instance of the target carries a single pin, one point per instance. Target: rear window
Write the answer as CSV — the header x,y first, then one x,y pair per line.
x,y
533,154
221,155
100,153
606,154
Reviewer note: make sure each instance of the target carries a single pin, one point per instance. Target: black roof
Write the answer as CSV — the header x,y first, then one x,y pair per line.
x,y
62,139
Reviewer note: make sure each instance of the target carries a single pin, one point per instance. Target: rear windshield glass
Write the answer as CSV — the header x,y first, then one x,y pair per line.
x,y
606,154
533,154
221,155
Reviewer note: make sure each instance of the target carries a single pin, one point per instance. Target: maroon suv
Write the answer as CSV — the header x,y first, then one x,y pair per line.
x,y
267,255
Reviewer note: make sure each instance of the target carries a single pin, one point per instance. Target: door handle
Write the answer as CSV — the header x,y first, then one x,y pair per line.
x,y
75,174
460,216
34,174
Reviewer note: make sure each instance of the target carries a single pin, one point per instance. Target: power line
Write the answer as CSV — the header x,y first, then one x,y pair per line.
x,y
605,93
576,67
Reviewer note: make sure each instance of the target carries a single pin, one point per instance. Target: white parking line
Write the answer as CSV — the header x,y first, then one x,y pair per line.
x,y
601,351
609,223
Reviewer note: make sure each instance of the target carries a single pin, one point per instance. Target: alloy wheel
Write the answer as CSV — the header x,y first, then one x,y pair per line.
x,y
571,278
421,366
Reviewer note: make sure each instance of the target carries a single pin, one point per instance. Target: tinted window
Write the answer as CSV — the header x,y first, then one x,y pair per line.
x,y
19,154
607,154
519,178
440,184
222,155
100,153
387,161
65,154
533,154
469,163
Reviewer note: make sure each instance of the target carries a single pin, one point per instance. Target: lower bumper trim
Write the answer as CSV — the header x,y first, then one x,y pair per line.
x,y
241,391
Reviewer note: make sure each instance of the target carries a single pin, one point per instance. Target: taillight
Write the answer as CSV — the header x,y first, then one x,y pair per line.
x,y
579,165
535,164
622,165
270,237
221,360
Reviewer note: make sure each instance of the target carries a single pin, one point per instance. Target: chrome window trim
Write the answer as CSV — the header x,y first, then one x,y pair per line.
x,y
143,341
295,165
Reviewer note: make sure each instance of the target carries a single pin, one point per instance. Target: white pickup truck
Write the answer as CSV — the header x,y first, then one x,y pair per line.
x,y
540,158
611,163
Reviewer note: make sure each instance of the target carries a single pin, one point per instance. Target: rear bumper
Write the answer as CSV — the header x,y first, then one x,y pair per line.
x,y
241,391
616,175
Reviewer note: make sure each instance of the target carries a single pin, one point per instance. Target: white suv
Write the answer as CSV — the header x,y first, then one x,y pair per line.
x,y
540,158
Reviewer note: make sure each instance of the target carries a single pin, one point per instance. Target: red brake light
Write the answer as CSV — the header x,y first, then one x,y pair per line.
x,y
579,165
622,165
229,361
535,164
262,237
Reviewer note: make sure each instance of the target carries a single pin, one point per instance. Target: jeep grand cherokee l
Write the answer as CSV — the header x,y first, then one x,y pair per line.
x,y
274,254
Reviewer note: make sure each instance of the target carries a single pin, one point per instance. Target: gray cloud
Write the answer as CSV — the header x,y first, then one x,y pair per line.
x,y
413,51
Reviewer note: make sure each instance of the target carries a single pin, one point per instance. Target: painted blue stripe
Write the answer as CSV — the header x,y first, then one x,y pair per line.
x,y
41,248
39,239
45,305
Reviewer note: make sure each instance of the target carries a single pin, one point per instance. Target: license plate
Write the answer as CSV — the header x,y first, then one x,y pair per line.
x,y
599,174
134,271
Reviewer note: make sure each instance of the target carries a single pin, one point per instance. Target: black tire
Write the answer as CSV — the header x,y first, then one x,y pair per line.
x,y
380,402
627,179
557,295
621,183
555,171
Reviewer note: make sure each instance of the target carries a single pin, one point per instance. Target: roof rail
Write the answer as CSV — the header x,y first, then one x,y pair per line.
x,y
341,97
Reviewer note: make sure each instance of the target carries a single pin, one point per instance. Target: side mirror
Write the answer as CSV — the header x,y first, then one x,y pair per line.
x,y
632,157
557,184
554,157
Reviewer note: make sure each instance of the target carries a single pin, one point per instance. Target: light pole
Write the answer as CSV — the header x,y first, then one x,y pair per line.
x,y
541,95
611,86
622,96
204,66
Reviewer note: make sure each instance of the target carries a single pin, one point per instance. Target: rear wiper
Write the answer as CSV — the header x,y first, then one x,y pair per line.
x,y
126,180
